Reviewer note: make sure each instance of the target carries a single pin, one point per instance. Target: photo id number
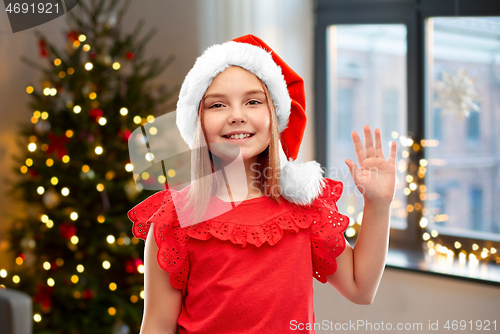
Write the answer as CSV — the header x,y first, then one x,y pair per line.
x,y
40,8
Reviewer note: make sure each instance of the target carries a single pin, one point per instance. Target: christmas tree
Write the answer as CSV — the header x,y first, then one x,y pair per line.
x,y
73,246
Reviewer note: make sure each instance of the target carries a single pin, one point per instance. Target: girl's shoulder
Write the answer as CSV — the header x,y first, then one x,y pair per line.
x,y
142,212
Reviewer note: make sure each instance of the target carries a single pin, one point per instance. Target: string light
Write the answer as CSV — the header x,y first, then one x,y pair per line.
x,y
116,65
123,111
37,317
54,180
77,109
88,66
129,167
29,89
106,265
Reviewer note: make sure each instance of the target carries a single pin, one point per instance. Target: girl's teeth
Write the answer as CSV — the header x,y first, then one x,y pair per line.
x,y
240,136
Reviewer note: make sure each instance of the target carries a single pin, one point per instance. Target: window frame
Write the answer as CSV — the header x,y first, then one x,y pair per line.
x,y
412,13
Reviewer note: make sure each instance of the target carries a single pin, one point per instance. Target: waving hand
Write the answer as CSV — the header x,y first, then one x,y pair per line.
x,y
375,178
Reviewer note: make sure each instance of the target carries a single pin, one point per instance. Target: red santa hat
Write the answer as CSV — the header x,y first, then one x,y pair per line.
x,y
301,182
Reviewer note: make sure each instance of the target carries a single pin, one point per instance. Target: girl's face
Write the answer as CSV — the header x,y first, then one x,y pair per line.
x,y
235,104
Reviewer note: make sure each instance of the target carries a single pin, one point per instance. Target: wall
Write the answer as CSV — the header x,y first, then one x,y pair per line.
x,y
406,297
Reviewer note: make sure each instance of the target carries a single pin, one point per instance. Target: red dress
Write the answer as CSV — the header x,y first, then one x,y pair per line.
x,y
250,269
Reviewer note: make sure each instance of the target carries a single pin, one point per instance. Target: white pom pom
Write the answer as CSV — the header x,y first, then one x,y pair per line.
x,y
301,182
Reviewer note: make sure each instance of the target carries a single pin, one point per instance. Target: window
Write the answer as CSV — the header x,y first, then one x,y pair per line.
x,y
428,75
345,111
366,84
437,126
466,50
473,126
476,209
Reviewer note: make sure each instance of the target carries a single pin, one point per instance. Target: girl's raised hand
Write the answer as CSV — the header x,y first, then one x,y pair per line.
x,y
376,177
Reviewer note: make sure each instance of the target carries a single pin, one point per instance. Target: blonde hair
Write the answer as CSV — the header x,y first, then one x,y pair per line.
x,y
205,181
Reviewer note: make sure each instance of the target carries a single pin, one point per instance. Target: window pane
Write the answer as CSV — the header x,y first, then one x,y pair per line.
x,y
366,85
463,126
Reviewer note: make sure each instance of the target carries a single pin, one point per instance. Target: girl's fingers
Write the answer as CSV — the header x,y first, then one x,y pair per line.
x,y
370,150
358,147
352,168
392,155
378,144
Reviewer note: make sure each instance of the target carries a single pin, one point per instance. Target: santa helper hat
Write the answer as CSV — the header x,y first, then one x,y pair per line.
x,y
301,182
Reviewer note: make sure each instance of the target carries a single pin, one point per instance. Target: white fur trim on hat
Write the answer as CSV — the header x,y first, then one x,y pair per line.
x,y
301,182
215,60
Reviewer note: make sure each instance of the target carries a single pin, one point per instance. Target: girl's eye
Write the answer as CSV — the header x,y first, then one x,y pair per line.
x,y
216,105
254,102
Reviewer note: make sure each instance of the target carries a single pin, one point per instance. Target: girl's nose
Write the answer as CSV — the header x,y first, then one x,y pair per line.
x,y
237,115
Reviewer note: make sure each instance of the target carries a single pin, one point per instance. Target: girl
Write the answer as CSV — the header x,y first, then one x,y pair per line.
x,y
248,269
